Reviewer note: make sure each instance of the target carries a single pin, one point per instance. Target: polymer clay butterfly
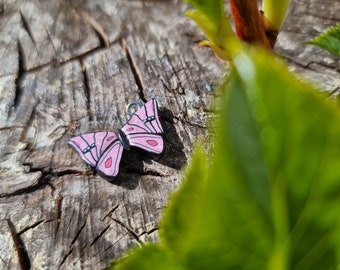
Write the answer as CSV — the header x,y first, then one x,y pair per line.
x,y
103,150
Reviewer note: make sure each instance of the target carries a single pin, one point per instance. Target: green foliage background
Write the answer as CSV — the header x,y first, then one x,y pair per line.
x,y
330,40
270,196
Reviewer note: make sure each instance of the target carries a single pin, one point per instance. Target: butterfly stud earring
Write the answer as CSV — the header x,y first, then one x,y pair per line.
x,y
103,150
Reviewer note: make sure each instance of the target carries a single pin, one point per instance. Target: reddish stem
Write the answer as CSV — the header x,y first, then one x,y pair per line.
x,y
248,22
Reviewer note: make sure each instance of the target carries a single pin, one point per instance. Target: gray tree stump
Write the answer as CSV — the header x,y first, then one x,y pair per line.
x,y
70,67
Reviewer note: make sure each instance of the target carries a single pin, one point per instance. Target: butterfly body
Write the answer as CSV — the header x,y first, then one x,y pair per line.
x,y
123,140
103,150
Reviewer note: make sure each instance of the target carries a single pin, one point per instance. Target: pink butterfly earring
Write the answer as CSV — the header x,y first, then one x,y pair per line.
x,y
103,150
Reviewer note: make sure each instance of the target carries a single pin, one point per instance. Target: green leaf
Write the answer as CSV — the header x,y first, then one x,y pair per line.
x,y
270,196
212,9
178,233
330,40
207,26
146,258
298,132
261,204
211,18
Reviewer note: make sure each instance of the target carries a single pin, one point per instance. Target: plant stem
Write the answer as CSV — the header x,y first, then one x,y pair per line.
x,y
248,22
275,11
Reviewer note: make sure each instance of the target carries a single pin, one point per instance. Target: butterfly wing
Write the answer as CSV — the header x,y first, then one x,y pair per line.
x,y
152,143
103,150
144,130
108,164
96,148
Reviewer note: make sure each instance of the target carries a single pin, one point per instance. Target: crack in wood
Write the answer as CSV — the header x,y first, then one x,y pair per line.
x,y
331,93
54,62
114,243
99,235
73,172
87,88
51,40
28,29
24,260
109,214
294,61
42,182
143,173
307,66
316,15
11,128
161,78
20,72
25,190
150,172
4,262
95,25
59,129
180,89
313,64
72,243
152,230
58,63
65,258
58,212
31,226
78,234
130,231
135,70
2,10
197,125
28,124
32,169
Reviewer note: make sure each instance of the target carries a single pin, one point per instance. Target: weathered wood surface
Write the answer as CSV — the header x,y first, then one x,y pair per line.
x,y
307,19
69,67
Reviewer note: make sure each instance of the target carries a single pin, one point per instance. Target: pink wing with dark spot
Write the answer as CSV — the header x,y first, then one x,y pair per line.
x,y
108,164
144,129
101,150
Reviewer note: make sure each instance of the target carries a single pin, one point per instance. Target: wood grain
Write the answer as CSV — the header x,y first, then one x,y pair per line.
x,y
307,19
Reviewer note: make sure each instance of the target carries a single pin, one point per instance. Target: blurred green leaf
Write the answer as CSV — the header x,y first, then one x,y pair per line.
x,y
330,40
146,258
207,26
291,147
183,211
211,18
183,227
213,9
269,198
